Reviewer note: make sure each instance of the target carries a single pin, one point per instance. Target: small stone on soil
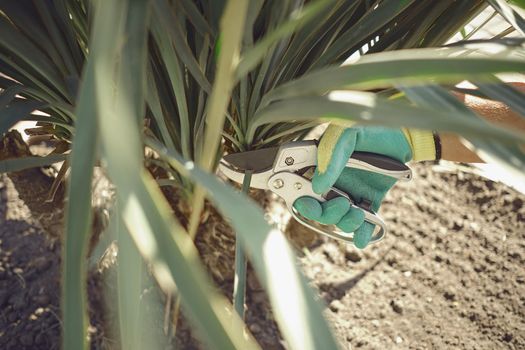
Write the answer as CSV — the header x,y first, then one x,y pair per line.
x,y
353,256
336,305
450,294
360,343
508,337
255,328
397,306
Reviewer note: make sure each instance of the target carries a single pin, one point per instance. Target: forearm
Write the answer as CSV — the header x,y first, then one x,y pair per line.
x,y
496,112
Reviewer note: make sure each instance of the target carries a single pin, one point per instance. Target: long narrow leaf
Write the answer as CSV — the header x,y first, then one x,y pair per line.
x,y
108,20
504,93
9,94
170,23
17,164
232,24
146,214
295,308
27,52
176,78
368,25
368,108
510,15
130,266
196,18
507,155
130,269
380,70
17,111
217,104
254,55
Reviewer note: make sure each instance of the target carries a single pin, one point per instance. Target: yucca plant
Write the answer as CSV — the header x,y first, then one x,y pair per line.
x,y
194,79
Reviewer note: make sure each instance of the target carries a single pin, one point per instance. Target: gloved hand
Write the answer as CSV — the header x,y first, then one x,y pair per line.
x,y
335,148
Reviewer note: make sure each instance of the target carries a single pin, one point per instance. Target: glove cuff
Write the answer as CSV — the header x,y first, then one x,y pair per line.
x,y
327,145
422,144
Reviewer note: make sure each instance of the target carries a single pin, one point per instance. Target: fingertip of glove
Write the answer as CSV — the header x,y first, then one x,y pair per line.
x,y
308,207
334,210
363,235
321,183
352,220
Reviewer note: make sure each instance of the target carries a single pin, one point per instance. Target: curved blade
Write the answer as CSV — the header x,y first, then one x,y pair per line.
x,y
259,180
257,161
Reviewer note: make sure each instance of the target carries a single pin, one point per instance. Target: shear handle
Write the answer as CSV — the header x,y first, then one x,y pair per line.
x,y
297,155
291,186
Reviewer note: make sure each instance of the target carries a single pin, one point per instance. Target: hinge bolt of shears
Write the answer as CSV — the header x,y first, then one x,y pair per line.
x,y
278,183
298,185
289,161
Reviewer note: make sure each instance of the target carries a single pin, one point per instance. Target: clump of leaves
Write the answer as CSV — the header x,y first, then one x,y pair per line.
x,y
192,79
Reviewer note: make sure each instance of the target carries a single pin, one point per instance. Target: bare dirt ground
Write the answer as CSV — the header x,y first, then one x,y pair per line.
x,y
450,274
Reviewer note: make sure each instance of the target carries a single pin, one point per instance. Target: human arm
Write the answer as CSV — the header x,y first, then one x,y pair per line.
x,y
453,149
339,143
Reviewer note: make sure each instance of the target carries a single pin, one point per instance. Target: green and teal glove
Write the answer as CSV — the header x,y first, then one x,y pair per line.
x,y
336,147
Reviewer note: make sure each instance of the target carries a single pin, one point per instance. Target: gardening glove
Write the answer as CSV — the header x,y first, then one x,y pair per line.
x,y
336,147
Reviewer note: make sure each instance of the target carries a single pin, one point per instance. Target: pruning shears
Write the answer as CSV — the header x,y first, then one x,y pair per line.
x,y
283,170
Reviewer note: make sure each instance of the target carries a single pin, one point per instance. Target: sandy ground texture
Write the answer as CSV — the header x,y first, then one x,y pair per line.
x,y
450,274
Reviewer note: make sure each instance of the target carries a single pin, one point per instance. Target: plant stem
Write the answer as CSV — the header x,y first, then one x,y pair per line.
x,y
239,286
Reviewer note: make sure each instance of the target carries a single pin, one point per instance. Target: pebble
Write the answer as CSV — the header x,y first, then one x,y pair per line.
x,y
514,254
255,328
360,343
475,227
450,295
353,256
397,306
457,226
336,305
